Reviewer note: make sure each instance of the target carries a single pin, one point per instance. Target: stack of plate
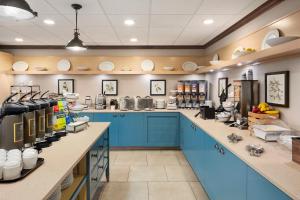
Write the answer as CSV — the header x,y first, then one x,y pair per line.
x,y
20,66
67,182
56,195
63,65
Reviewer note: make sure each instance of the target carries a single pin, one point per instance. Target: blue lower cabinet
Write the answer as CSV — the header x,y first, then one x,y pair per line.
x,y
132,130
162,129
258,188
113,128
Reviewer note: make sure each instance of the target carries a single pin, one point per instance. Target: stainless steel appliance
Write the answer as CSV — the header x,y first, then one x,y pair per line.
x,y
127,103
249,96
100,102
11,124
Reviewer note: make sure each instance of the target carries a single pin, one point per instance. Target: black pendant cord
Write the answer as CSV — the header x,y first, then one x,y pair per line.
x,y
76,13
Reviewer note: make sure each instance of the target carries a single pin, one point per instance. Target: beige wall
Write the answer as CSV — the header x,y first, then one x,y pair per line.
x,y
129,85
289,115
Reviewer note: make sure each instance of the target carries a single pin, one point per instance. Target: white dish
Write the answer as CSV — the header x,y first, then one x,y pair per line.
x,y
11,170
147,65
271,34
168,68
20,66
29,162
276,41
40,69
189,66
237,52
63,65
106,66
215,57
83,68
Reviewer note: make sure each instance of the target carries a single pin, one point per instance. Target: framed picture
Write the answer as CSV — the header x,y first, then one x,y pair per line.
x,y
277,88
222,85
65,85
158,87
110,87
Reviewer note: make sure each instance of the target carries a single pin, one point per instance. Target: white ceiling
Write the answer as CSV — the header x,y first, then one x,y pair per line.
x,y
101,22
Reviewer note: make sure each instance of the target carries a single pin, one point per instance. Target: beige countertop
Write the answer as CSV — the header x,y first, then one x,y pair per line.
x,y
60,159
275,164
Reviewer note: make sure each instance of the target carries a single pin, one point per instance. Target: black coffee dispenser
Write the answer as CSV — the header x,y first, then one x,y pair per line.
x,y
11,124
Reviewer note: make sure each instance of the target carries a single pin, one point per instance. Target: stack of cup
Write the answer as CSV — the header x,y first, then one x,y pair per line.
x,y
13,165
30,157
2,161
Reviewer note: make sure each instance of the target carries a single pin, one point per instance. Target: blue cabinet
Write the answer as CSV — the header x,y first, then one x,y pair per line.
x,y
89,114
162,129
260,188
132,129
113,128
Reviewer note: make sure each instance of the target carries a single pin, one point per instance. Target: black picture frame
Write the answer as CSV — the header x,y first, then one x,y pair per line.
x,y
221,81
67,81
286,93
113,93
157,93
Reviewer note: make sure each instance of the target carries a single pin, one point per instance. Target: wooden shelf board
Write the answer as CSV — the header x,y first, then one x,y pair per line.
x,y
99,72
263,56
67,193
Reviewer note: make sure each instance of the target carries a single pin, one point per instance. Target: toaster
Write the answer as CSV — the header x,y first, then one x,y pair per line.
x,y
127,103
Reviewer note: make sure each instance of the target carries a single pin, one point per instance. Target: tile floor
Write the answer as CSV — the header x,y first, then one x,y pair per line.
x,y
151,175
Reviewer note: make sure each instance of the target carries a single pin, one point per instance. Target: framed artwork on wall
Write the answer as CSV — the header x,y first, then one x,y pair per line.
x,y
65,85
110,87
277,88
158,87
222,85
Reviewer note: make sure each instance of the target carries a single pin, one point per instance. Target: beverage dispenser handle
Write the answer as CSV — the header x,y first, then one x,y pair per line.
x,y
44,94
9,97
23,96
31,98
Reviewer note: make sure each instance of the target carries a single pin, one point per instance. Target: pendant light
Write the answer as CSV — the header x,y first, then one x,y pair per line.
x,y
76,44
16,9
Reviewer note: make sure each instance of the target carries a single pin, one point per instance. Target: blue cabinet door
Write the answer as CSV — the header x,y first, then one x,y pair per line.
x,y
132,129
113,128
162,129
260,188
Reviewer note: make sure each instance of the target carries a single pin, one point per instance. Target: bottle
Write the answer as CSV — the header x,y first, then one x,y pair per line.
x,y
250,74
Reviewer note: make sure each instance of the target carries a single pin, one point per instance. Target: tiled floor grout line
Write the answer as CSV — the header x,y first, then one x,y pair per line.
x,y
192,190
148,190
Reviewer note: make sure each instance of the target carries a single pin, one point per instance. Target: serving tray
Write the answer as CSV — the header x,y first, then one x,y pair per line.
x,y
25,172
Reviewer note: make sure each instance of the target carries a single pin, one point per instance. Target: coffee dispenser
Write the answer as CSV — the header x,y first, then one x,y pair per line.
x,y
29,119
11,124
40,124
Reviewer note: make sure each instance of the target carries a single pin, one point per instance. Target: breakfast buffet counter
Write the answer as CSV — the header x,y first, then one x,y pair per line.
x,y
275,164
60,159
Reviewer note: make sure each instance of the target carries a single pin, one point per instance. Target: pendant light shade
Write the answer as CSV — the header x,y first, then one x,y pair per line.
x,y
76,44
16,9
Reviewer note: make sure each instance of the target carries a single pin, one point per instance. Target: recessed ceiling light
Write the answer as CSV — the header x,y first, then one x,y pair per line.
x,y
49,22
208,21
19,39
129,22
133,39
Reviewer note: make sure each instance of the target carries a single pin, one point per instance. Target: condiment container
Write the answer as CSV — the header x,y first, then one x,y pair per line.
x,y
195,87
180,87
296,149
187,87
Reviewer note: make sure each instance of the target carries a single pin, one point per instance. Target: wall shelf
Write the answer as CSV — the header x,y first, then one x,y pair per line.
x,y
263,56
100,72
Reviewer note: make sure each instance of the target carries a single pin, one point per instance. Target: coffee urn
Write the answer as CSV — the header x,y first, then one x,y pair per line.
x,y
11,124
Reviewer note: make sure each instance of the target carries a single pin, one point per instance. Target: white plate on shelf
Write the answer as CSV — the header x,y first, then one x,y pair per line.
x,y
106,66
63,65
189,66
270,35
168,68
20,66
276,41
83,68
147,65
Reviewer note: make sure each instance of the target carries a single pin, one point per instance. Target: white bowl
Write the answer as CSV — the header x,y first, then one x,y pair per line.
x,y
3,151
30,153
11,170
1,168
276,41
14,158
14,152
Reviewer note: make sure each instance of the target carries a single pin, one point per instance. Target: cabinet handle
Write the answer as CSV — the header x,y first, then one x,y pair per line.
x,y
94,155
100,167
221,150
217,147
114,115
